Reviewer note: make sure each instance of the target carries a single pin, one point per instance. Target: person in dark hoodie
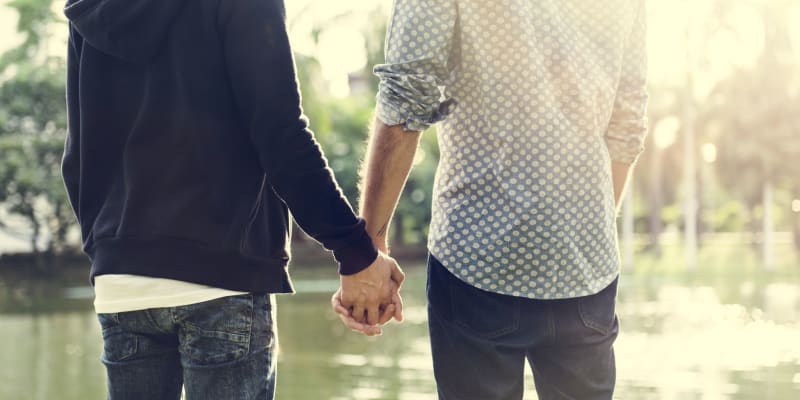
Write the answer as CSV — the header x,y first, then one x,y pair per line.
x,y
186,150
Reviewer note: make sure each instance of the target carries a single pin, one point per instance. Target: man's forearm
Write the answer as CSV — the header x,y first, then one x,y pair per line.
x,y
619,174
390,155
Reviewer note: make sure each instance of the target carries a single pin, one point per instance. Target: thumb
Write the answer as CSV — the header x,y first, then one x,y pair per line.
x,y
397,302
397,274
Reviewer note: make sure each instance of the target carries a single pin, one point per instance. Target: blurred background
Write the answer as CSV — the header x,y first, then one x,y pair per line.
x,y
709,299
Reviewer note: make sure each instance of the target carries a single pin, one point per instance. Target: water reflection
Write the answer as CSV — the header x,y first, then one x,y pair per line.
x,y
685,343
719,340
50,356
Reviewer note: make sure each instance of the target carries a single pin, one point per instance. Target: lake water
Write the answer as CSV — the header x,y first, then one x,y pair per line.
x,y
682,338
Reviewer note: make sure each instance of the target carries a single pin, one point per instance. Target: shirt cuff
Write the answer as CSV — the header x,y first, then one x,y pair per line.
x,y
625,149
413,103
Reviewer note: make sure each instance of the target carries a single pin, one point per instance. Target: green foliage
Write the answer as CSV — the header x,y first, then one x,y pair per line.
x,y
35,16
33,124
751,117
31,185
719,261
342,126
374,40
761,139
414,209
729,217
345,143
342,131
33,100
309,73
754,113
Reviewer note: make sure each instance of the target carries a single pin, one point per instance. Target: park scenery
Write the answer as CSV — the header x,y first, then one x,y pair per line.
x,y
709,296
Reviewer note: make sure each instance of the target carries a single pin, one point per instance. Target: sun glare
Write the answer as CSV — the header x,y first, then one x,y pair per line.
x,y
673,25
9,37
666,132
709,152
339,46
715,50
794,31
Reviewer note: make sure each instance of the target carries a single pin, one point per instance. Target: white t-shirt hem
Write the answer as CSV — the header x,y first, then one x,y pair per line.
x,y
121,293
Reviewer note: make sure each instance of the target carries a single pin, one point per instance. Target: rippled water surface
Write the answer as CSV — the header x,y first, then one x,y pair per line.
x,y
680,339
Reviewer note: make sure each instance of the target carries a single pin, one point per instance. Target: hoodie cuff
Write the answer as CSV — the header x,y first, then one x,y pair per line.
x,y
357,255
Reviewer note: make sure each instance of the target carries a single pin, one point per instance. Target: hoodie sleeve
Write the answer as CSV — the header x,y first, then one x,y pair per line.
x,y
262,74
71,163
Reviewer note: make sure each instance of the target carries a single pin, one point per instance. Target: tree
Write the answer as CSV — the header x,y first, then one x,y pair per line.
x,y
756,112
33,123
35,17
31,187
342,125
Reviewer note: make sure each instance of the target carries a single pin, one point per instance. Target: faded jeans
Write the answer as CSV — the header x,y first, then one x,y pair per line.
x,y
223,349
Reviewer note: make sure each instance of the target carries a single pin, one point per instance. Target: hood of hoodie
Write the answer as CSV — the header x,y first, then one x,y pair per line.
x,y
132,30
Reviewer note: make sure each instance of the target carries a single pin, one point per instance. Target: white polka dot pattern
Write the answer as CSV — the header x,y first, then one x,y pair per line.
x,y
546,94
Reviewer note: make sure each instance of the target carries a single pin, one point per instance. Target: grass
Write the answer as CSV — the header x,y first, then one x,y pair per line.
x,y
716,263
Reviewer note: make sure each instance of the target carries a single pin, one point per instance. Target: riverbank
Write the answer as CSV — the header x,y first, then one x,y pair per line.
x,y
29,282
67,266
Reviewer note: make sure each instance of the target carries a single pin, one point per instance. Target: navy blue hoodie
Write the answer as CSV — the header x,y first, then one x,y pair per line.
x,y
187,143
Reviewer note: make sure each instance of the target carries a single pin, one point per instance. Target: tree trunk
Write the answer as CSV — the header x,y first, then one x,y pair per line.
x,y
797,231
690,184
690,156
628,228
37,230
655,202
796,224
60,228
754,227
767,249
704,227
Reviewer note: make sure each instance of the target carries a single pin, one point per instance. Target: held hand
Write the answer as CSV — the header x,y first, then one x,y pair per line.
x,y
363,293
386,313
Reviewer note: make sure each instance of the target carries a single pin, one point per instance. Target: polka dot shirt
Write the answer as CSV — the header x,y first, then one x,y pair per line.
x,y
535,99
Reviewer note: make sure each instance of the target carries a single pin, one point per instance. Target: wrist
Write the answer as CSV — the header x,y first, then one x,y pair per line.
x,y
381,243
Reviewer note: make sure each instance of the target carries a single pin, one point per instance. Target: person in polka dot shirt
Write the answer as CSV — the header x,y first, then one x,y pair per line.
x,y
541,108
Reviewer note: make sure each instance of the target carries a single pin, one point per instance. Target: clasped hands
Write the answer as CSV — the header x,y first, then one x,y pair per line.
x,y
370,298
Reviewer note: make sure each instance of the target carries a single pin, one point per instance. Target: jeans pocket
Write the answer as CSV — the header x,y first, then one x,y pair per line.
x,y
264,333
598,311
487,315
216,331
118,344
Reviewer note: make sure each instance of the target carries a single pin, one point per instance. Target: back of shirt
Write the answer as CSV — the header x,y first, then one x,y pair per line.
x,y
546,93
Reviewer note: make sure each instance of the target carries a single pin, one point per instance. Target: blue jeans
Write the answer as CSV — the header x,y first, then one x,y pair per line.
x,y
221,349
480,341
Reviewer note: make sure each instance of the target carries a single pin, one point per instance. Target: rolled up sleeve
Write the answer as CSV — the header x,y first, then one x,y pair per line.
x,y
628,126
411,92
